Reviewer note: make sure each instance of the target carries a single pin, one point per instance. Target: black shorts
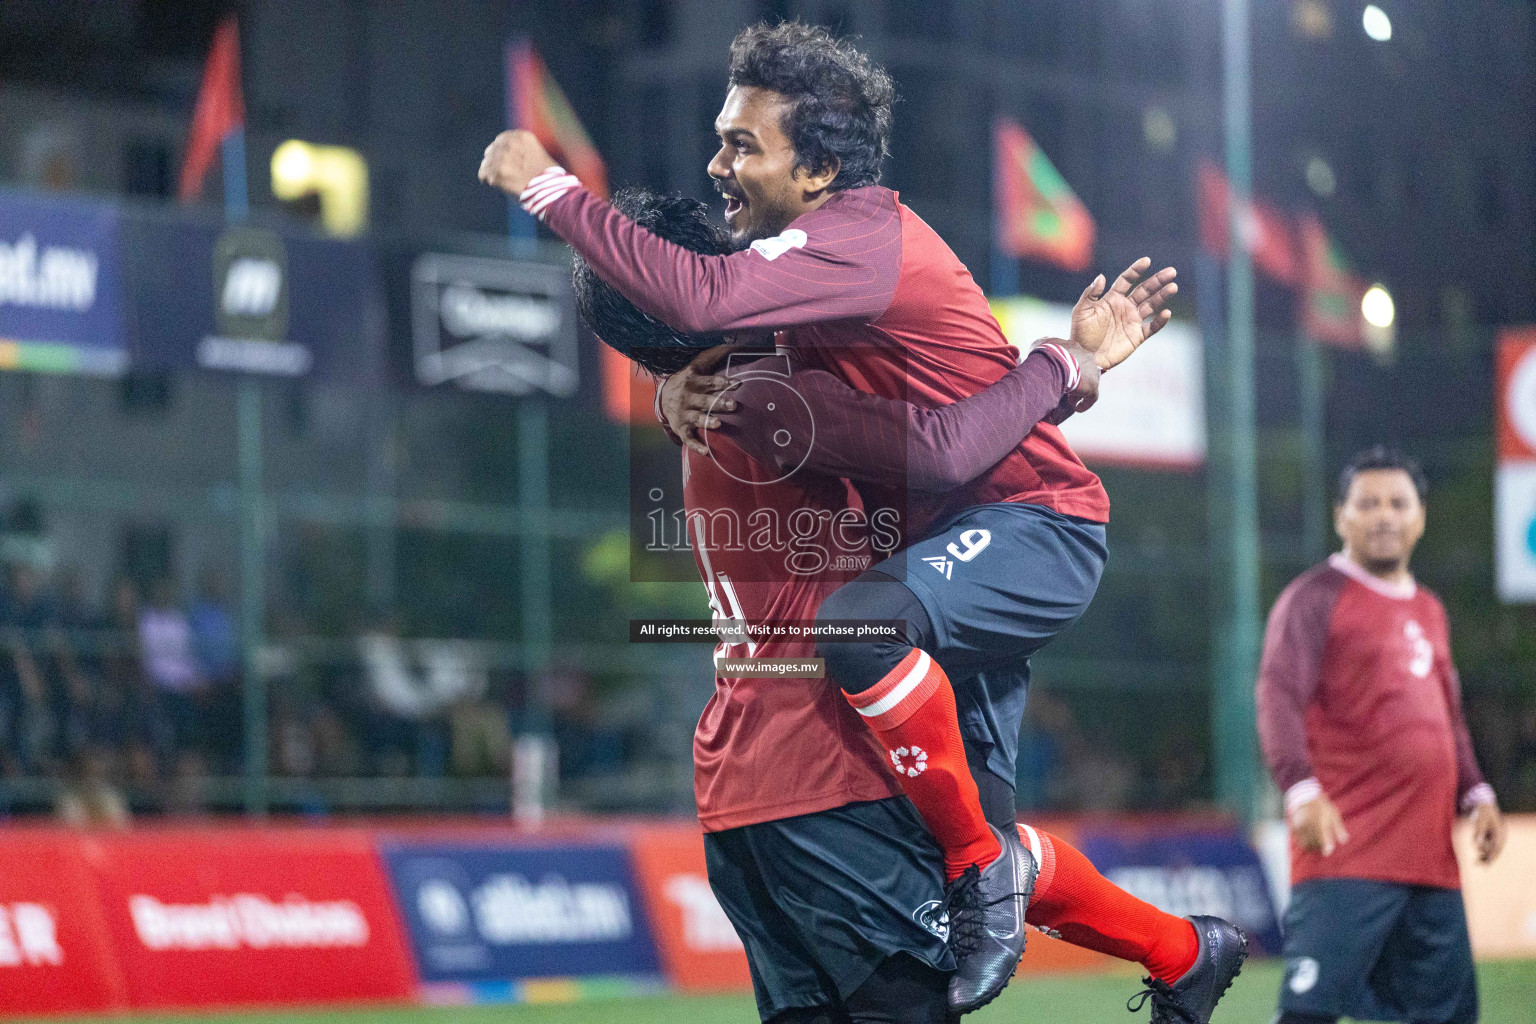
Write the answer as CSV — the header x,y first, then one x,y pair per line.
x,y
999,582
820,900
1378,951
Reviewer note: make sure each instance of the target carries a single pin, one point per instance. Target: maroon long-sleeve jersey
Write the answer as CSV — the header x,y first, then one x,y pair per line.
x,y
861,287
774,534
1358,698
827,427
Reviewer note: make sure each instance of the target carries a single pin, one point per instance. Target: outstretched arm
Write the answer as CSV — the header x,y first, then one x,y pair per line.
x,y
835,430
847,271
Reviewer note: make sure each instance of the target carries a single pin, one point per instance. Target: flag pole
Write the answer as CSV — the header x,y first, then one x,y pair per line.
x,y
1314,413
534,759
522,226
1236,640
237,208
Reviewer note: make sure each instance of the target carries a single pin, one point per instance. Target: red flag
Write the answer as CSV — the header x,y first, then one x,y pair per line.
x,y
220,109
1038,215
1266,231
538,105
1331,291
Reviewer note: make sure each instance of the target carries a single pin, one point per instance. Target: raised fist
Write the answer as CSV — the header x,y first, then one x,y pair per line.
x,y
512,160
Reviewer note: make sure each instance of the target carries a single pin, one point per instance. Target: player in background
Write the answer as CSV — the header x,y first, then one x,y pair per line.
x,y
1359,714
769,873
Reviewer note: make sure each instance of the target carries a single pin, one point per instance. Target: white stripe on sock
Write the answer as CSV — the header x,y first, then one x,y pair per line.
x,y
902,689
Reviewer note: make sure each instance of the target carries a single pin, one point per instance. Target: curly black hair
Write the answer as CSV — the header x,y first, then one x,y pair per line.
x,y
1381,457
841,100
616,321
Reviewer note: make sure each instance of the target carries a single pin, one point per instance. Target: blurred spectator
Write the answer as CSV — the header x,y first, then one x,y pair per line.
x,y
24,537
216,646
26,690
413,704
126,702
587,745
1048,723
89,799
180,689
214,638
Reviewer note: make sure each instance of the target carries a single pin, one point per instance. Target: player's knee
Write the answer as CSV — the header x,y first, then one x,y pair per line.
x,y
853,666
873,597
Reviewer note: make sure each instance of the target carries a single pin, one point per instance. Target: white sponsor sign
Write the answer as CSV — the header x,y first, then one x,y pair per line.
x,y
1514,542
53,277
1151,408
29,936
494,325
706,929
247,920
511,910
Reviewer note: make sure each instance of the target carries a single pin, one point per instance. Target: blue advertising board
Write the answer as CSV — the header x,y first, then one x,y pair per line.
x,y
250,299
61,289
491,914
1190,871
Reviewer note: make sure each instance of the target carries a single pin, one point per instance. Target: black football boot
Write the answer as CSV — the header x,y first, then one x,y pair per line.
x,y
986,921
1192,999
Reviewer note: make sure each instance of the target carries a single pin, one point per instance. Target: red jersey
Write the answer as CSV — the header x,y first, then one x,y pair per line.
x,y
1357,696
864,289
768,748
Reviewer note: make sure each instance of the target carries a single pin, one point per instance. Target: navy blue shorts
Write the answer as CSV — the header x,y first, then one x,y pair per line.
x,y
1378,951
1000,582
821,900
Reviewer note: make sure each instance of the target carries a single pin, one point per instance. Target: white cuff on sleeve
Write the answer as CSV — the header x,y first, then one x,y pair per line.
x,y
545,188
1301,794
1480,794
1074,371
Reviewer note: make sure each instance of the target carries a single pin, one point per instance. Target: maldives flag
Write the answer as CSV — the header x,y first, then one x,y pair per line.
x,y
1038,215
220,109
1331,291
1266,232
537,105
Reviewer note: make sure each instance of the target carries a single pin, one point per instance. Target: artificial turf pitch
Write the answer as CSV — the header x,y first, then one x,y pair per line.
x,y
1508,990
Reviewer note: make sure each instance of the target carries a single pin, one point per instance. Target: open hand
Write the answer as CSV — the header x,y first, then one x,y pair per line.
x,y
512,160
1112,324
691,396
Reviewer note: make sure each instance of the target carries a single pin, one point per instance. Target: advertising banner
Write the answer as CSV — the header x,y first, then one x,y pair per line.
x,y
1151,409
494,325
252,300
1189,871
1514,499
234,916
61,291
699,947
480,914
54,951
1501,901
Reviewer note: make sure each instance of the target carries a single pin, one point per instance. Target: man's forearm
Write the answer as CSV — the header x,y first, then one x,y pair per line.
x,y
869,439
692,292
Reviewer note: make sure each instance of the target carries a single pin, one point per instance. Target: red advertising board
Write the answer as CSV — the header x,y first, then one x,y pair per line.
x,y
1515,391
54,955
699,948
202,917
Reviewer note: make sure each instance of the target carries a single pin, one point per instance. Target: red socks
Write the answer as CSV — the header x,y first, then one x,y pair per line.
x,y
1089,910
912,710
